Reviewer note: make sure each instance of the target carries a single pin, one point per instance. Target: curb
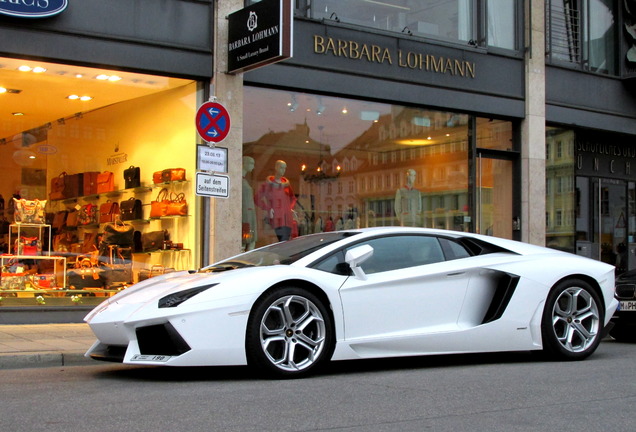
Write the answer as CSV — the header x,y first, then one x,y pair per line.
x,y
43,359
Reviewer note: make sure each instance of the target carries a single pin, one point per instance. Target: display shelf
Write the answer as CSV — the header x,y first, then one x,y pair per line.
x,y
111,194
20,226
55,258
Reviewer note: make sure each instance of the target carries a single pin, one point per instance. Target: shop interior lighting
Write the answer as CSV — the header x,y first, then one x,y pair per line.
x,y
293,105
3,90
26,68
104,77
345,110
81,98
17,113
39,69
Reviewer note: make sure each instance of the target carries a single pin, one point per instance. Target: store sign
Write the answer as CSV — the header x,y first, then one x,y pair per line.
x,y
260,34
371,53
213,185
605,159
32,8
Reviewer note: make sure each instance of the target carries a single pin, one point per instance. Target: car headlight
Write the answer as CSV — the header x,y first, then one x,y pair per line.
x,y
175,299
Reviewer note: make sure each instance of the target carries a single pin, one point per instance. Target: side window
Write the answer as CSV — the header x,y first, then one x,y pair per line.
x,y
454,250
398,252
333,264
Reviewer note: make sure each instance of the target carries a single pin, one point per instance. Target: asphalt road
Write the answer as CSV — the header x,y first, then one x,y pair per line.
x,y
495,392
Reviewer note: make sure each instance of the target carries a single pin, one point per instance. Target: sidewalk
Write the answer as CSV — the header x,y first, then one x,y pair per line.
x,y
44,345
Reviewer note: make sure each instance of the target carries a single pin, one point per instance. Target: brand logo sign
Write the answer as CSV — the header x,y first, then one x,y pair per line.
x,y
259,34
32,8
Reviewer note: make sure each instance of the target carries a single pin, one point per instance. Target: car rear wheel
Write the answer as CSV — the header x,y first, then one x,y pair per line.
x,y
289,333
572,321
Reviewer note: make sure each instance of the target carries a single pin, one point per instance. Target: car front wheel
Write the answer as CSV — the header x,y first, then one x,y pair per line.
x,y
289,333
572,321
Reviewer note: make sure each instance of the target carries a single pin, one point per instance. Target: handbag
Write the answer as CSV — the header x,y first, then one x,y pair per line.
x,y
30,246
159,206
153,240
105,182
108,212
132,177
118,271
85,274
29,211
59,220
57,187
117,233
90,183
72,218
45,281
169,175
155,270
88,215
73,185
177,205
131,209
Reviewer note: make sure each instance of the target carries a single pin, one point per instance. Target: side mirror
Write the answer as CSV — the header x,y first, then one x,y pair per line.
x,y
357,256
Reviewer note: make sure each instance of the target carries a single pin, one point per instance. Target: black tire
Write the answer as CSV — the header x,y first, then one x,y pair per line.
x,y
289,334
572,321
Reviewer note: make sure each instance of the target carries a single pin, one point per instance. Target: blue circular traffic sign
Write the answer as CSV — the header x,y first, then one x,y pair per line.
x,y
213,122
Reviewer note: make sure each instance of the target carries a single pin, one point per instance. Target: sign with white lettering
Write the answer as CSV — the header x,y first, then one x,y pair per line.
x,y
260,34
212,159
32,8
215,186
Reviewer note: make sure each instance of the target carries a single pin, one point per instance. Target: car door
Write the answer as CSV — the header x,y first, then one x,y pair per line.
x,y
410,290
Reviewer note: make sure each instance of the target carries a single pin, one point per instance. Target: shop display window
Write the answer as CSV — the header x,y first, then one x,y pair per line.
x,y
95,190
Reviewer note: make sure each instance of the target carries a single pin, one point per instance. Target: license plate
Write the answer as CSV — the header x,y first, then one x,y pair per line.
x,y
154,358
628,306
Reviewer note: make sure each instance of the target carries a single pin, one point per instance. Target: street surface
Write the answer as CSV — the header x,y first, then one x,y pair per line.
x,y
495,392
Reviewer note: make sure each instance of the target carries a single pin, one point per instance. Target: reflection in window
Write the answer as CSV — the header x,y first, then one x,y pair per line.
x,y
446,19
583,33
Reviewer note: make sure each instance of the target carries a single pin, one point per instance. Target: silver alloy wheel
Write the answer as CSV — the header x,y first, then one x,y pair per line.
x,y
292,333
575,319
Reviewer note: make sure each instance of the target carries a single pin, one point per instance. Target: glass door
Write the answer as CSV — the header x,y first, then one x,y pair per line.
x,y
602,221
494,195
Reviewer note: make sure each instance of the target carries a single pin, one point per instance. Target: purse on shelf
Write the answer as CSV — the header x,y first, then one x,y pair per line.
x,y
74,185
31,246
155,270
117,233
118,270
159,206
86,274
105,182
72,218
108,212
177,205
59,220
132,177
154,240
88,215
90,183
169,175
131,209
57,187
29,211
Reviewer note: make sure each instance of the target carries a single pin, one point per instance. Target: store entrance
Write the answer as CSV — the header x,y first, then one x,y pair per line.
x,y
494,196
605,221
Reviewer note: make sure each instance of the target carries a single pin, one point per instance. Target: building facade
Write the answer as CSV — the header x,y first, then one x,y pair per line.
x,y
507,118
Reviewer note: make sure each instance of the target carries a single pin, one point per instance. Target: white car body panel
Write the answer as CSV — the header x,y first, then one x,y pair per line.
x,y
430,309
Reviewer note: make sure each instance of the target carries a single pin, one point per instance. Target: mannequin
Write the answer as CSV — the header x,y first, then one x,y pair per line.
x,y
276,197
408,202
249,208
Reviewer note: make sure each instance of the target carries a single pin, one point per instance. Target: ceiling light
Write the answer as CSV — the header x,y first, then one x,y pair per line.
x,y
86,98
79,75
17,113
102,77
345,110
24,68
39,69
114,78
3,90
72,97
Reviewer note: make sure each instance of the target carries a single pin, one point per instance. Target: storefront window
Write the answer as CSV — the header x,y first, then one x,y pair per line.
x,y
315,163
561,208
83,154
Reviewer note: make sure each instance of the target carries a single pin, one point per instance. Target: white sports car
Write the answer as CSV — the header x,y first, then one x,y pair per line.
x,y
290,307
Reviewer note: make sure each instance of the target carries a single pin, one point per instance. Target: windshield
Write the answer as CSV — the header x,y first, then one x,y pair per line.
x,y
286,252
